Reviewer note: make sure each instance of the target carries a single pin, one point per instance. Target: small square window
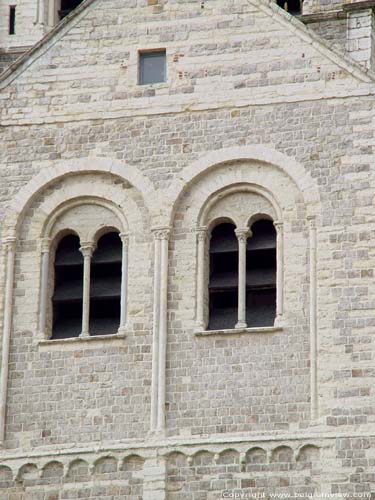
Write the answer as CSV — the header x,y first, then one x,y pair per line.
x,y
152,67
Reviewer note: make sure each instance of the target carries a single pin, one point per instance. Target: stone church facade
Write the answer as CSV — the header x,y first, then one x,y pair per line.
x,y
187,263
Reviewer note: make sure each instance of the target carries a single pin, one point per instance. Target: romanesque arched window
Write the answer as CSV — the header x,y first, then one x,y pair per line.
x,y
223,282
67,296
105,289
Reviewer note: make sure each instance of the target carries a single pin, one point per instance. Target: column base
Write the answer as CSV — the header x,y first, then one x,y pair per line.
x,y
199,327
241,324
84,334
279,322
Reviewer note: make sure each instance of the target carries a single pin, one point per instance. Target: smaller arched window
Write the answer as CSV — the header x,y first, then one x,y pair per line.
x,y
66,7
105,290
223,283
261,274
67,296
294,7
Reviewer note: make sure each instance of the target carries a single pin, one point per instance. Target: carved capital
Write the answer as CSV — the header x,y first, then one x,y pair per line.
x,y
124,237
201,233
242,234
45,245
10,243
278,225
87,249
161,233
312,221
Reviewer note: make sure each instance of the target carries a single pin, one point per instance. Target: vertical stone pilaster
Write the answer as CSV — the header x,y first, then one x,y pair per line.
x,y
200,323
124,282
10,250
45,251
313,318
279,273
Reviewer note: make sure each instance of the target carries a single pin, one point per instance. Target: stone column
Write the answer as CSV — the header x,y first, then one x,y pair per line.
x,y
10,251
279,273
242,235
313,319
45,250
155,332
87,250
200,323
360,33
124,282
163,324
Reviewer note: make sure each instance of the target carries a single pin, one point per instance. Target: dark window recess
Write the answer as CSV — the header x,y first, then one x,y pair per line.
x,y
152,67
261,275
294,7
67,6
105,288
223,284
12,20
67,297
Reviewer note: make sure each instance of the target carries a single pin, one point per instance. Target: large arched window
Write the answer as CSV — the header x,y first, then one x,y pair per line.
x,y
242,278
105,290
67,296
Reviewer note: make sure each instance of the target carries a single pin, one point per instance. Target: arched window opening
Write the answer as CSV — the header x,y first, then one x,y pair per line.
x,y
223,283
67,297
294,7
67,6
105,289
261,275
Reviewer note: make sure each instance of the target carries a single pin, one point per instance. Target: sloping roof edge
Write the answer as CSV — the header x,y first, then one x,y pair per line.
x,y
269,7
62,26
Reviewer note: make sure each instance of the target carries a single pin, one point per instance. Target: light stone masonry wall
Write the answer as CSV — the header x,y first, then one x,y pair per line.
x,y
278,410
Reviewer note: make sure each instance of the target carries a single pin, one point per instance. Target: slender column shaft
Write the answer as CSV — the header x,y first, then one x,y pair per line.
x,y
279,271
164,235
155,340
201,239
242,235
313,319
124,281
45,249
10,248
87,251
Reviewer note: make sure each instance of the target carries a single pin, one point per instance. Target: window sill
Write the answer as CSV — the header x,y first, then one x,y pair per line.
x,y
240,331
72,343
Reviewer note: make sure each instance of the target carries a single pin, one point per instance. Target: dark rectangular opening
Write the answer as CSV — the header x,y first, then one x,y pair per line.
x,y
152,67
12,19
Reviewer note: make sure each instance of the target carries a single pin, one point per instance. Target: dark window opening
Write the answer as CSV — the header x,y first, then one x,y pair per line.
x,y
105,287
261,275
67,297
152,67
294,7
223,283
67,6
12,20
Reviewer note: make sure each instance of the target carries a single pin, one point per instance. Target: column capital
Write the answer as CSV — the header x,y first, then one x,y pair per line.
x,y
10,242
312,221
278,224
202,233
243,233
161,233
45,245
87,248
124,237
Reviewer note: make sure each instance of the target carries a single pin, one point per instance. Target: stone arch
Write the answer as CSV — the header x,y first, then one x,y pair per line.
x,y
256,455
132,463
203,458
262,154
308,453
107,466
28,472
50,175
6,476
79,471
229,456
53,471
282,454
